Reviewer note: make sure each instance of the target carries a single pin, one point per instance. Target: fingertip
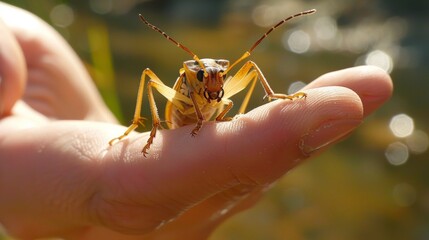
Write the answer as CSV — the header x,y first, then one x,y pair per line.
x,y
373,85
326,116
376,87
336,112
329,106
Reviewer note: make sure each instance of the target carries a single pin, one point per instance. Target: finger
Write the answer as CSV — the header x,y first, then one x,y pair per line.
x,y
372,84
58,84
12,70
255,149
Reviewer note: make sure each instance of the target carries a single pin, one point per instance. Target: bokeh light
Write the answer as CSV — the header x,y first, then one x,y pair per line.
x,y
62,15
401,125
380,59
263,15
397,153
101,6
296,41
327,34
326,28
418,142
295,87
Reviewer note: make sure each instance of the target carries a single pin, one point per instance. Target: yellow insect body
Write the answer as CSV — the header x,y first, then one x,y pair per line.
x,y
202,90
177,116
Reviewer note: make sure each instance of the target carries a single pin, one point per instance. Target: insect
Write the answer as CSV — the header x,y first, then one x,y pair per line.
x,y
202,89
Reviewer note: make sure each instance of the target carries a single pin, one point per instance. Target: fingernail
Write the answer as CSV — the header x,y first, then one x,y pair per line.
x,y
326,134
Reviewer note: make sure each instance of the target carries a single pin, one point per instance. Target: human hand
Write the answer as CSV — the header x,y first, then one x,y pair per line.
x,y
60,178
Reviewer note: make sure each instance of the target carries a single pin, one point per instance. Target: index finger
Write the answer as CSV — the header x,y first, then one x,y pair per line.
x,y
372,84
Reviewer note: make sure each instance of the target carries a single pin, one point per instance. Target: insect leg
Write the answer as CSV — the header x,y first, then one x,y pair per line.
x,y
237,83
155,118
199,114
137,119
244,76
269,93
252,76
221,115
167,92
170,94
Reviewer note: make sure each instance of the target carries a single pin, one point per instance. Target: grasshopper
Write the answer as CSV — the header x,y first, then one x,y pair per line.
x,y
202,89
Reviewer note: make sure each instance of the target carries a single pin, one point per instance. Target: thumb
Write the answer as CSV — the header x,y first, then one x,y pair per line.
x,y
12,70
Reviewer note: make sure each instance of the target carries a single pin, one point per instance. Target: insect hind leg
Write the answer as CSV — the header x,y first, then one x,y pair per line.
x,y
167,92
170,94
137,119
131,128
269,93
248,73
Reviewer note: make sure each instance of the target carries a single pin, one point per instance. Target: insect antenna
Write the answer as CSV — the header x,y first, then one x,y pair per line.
x,y
278,25
155,28
247,53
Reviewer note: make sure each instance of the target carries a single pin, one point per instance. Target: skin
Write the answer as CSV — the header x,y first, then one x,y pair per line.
x,y
58,177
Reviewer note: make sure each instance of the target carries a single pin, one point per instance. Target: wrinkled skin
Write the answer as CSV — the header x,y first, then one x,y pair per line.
x,y
58,177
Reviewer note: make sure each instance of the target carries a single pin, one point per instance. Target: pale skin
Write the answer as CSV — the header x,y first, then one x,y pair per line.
x,y
59,177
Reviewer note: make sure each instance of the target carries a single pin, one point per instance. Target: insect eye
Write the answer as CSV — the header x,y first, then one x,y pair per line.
x,y
200,75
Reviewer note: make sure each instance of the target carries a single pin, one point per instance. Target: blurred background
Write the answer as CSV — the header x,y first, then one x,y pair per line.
x,y
374,185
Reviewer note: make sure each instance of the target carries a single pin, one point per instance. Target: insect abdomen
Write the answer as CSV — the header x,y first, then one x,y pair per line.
x,y
176,119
